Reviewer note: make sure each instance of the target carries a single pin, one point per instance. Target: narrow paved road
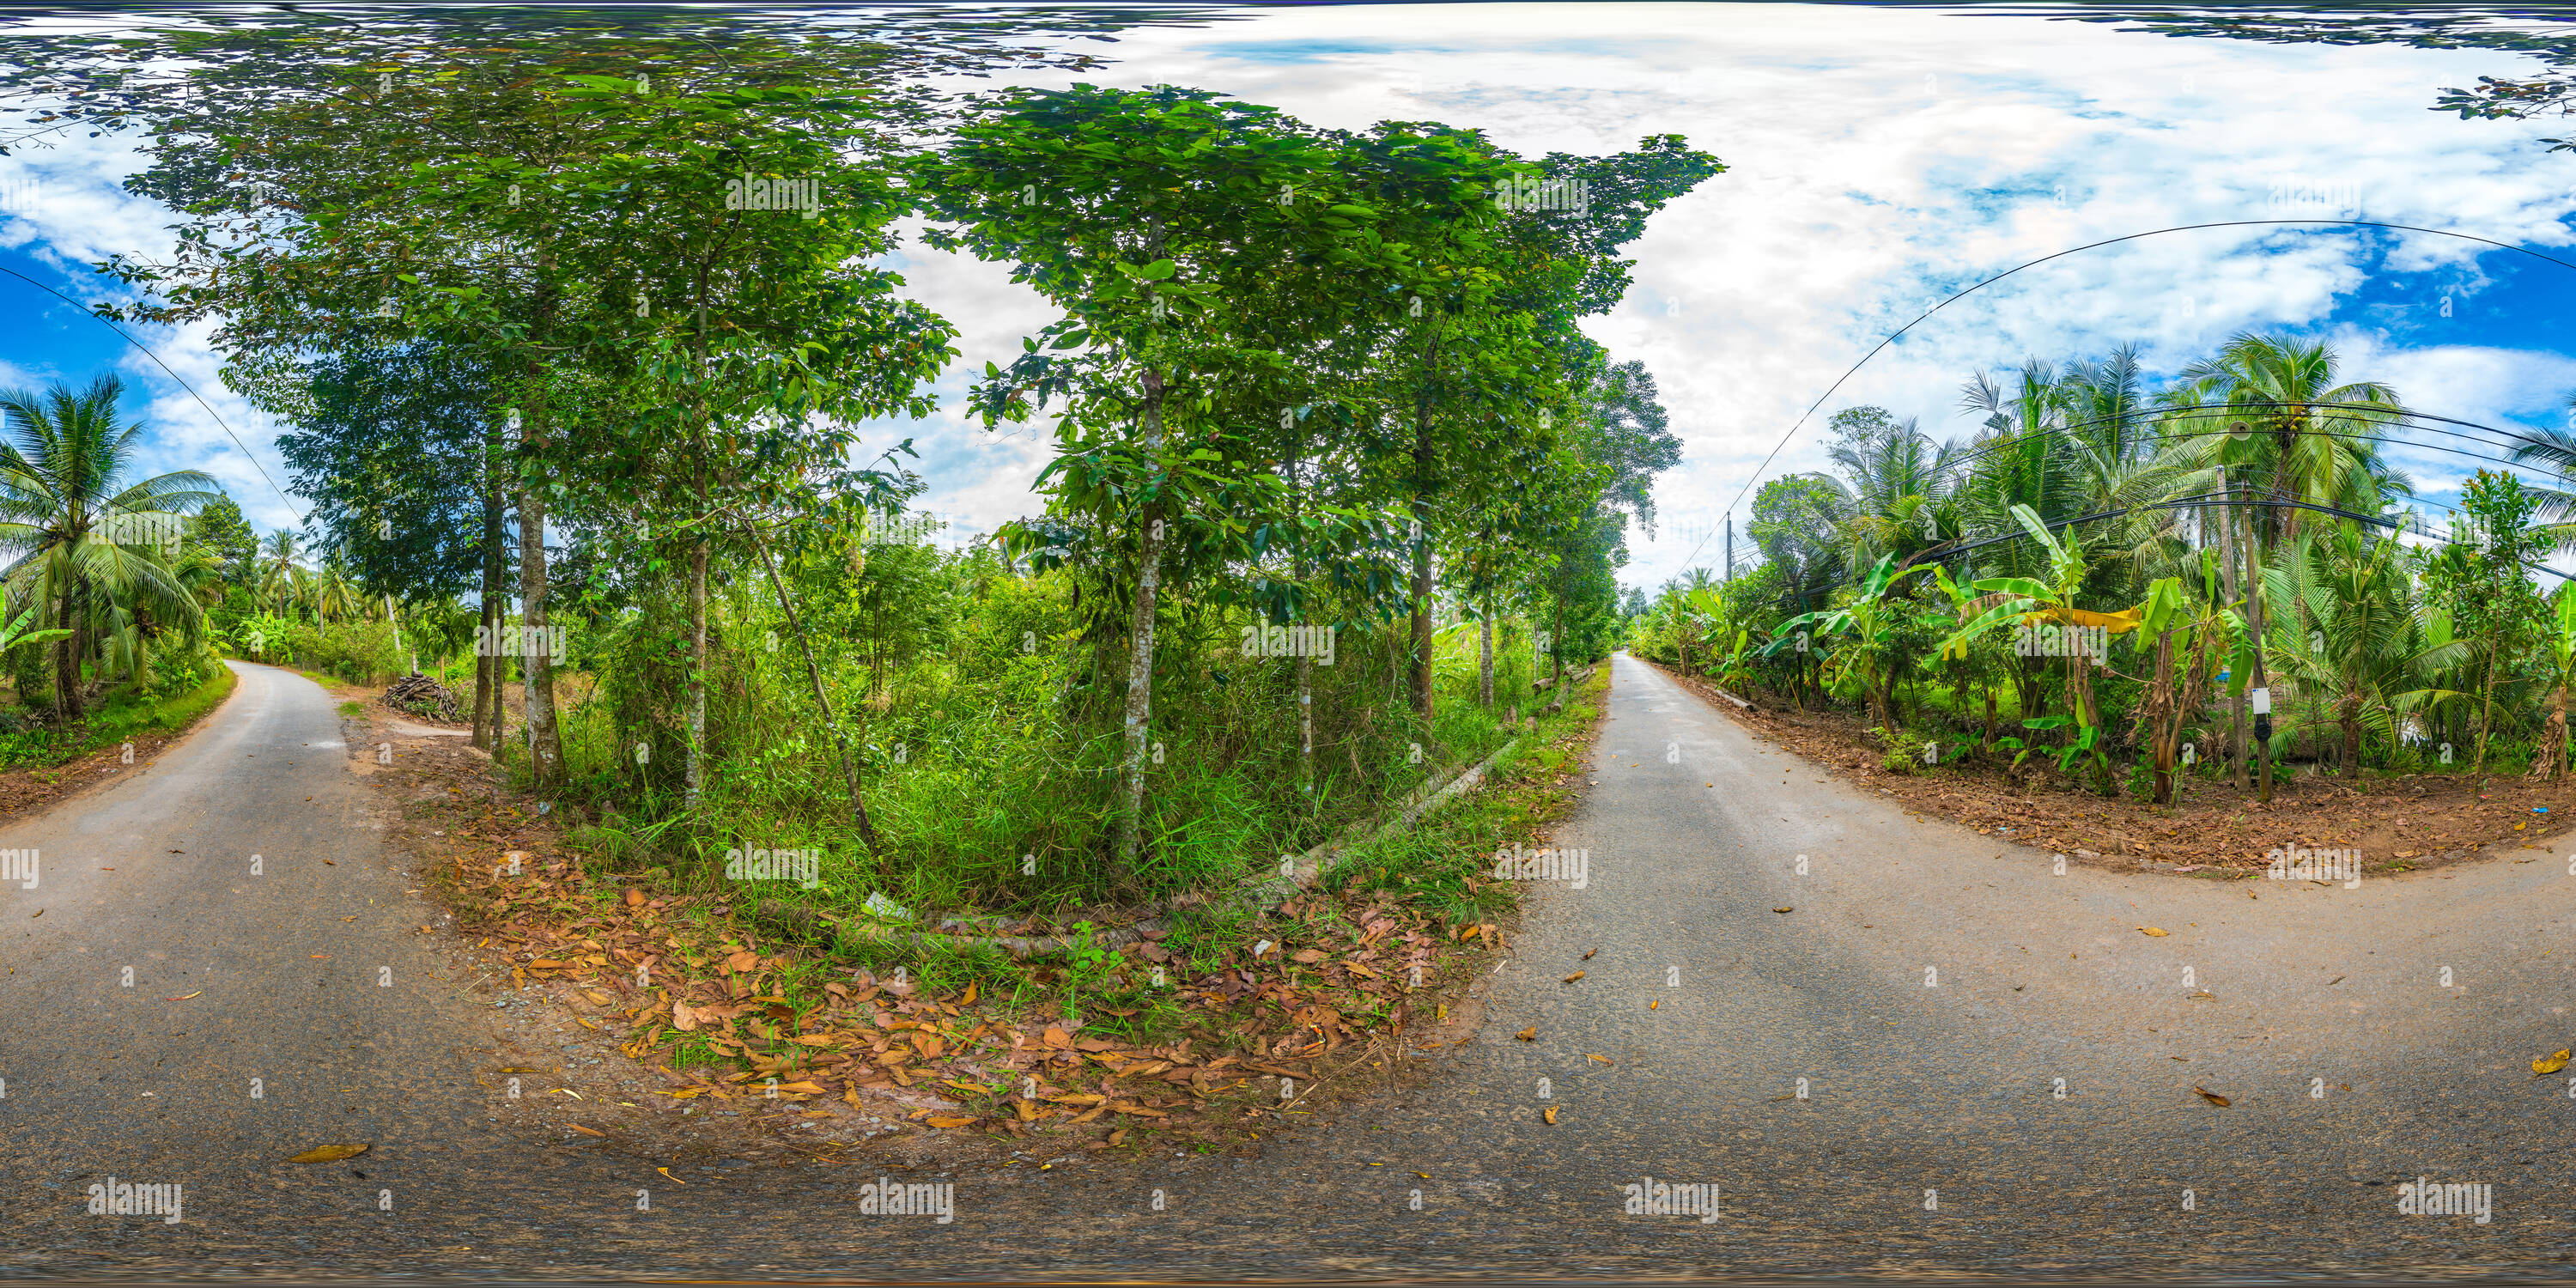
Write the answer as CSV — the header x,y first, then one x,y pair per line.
x,y
1934,992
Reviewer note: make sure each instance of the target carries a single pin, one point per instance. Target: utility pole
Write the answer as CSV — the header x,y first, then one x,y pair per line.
x,y
2262,689
1730,547
2235,759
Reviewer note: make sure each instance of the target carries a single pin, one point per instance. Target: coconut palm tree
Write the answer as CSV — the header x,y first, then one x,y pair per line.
x,y
279,578
1899,483
2353,632
2037,402
2113,465
2554,448
2105,406
78,537
2273,411
2022,457
132,634
336,594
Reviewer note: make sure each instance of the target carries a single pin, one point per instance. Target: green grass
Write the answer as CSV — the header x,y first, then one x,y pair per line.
x,y
1444,861
1440,866
993,792
119,720
353,710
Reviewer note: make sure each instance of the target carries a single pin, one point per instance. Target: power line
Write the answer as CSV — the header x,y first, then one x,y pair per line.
x,y
174,376
1893,336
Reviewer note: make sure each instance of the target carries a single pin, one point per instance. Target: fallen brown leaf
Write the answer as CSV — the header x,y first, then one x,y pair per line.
x,y
2212,1097
1573,977
1551,1115
329,1153
1529,1034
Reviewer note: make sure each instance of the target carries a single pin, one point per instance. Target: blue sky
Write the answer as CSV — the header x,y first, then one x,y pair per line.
x,y
1879,160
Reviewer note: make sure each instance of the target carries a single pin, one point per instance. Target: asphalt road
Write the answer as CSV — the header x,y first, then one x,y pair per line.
x,y
1934,990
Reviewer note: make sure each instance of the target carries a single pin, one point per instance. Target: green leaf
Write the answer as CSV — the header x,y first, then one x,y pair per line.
x,y
2022,586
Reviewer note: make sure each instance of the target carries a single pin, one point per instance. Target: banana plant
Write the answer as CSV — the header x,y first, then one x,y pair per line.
x,y
1735,670
16,633
2171,619
1695,616
2027,601
1963,667
1869,621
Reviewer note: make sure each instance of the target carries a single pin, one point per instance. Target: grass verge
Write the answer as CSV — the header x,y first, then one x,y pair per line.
x,y
1205,1036
42,767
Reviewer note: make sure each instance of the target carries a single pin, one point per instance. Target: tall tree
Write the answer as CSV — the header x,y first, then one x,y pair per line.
x,y
1148,216
227,537
76,531
405,179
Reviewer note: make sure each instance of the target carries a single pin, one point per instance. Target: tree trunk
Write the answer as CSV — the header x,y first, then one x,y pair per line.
x,y
1305,656
1485,658
67,659
2260,747
1556,654
2227,548
694,777
822,703
1422,632
545,747
2486,712
2166,719
2551,763
1418,671
1140,661
1306,726
1533,671
488,708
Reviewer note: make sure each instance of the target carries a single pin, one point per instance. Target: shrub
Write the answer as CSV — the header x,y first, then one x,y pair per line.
x,y
359,652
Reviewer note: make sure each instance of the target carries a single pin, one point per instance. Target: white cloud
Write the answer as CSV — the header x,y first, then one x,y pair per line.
x,y
1879,158
1882,158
